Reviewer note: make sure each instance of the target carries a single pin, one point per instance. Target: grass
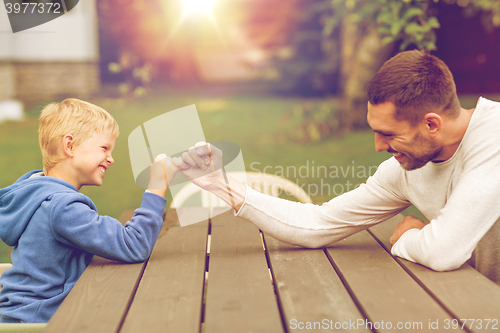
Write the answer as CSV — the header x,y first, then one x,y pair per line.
x,y
250,120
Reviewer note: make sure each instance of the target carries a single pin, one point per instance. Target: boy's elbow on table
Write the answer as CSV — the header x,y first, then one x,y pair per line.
x,y
138,256
138,252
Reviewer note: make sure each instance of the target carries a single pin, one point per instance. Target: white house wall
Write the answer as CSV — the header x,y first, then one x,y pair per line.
x,y
58,58
73,36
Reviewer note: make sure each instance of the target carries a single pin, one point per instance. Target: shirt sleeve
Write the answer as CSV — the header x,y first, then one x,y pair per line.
x,y
313,226
76,223
449,240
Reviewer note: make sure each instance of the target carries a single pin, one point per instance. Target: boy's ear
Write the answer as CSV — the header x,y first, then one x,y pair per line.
x,y
67,145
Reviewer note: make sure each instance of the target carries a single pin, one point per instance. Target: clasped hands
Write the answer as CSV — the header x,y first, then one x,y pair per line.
x,y
201,164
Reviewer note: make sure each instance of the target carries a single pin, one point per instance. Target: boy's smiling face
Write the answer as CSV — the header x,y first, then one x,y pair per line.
x,y
91,159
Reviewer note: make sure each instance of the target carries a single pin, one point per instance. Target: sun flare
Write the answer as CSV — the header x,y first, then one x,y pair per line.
x,y
191,6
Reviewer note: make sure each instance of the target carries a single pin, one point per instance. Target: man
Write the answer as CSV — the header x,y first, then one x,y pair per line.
x,y
446,162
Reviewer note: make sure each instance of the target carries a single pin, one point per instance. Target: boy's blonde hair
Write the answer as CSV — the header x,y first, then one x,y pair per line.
x,y
72,116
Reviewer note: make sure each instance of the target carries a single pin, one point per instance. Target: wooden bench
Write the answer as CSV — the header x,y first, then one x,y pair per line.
x,y
224,275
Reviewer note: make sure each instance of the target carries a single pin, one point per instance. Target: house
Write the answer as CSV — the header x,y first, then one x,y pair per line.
x,y
57,58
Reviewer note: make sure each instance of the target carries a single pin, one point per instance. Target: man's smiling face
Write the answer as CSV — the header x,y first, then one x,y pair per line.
x,y
407,143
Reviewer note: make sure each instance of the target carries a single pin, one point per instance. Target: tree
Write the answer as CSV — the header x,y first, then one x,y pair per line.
x,y
304,61
370,29
363,33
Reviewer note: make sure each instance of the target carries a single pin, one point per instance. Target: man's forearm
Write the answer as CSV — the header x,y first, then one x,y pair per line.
x,y
233,192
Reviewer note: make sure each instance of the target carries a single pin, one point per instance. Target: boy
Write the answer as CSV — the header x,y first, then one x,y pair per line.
x,y
55,230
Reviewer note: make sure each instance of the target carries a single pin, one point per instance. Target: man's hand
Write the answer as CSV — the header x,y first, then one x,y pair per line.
x,y
409,222
201,165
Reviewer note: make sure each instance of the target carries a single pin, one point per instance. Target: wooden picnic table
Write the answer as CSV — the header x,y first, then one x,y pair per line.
x,y
224,275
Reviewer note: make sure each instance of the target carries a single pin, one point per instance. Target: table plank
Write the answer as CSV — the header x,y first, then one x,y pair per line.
x,y
311,293
170,294
385,292
464,292
100,297
240,295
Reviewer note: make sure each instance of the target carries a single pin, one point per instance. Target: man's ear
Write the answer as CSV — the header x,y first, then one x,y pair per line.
x,y
67,145
433,123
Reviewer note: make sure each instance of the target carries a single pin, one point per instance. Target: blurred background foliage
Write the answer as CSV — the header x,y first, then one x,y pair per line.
x,y
309,47
334,47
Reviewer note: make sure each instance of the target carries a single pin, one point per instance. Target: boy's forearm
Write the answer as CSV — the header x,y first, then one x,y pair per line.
x,y
159,192
162,172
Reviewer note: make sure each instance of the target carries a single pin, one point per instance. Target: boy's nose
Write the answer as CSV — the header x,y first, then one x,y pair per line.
x,y
110,160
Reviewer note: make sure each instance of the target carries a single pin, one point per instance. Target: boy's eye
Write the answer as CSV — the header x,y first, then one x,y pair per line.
x,y
104,148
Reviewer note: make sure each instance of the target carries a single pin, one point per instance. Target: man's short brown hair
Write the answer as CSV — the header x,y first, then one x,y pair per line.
x,y
417,83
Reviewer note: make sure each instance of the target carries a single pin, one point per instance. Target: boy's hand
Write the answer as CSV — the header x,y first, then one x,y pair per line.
x,y
161,174
202,164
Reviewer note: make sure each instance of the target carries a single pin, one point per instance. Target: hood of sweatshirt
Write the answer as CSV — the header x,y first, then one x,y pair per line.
x,y
20,201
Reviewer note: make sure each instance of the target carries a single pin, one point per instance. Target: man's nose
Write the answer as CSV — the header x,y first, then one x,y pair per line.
x,y
381,143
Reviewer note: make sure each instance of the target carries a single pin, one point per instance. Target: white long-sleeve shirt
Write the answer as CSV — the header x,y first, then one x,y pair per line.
x,y
460,197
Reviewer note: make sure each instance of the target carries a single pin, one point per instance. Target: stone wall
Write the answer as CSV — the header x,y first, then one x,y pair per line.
x,y
44,80
7,79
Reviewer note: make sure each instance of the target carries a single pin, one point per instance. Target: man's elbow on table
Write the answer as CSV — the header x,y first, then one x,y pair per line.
x,y
310,244
443,256
433,256
446,264
305,242
314,239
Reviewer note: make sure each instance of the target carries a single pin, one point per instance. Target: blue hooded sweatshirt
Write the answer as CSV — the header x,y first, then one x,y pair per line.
x,y
55,231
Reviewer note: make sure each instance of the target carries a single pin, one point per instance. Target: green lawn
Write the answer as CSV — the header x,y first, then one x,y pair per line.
x,y
249,120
